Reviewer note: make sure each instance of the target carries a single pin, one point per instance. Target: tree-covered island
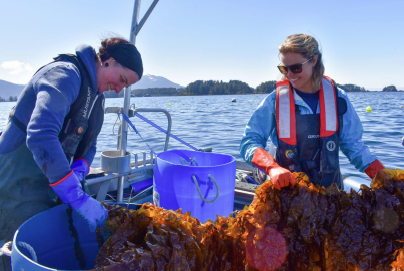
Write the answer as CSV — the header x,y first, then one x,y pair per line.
x,y
213,87
391,88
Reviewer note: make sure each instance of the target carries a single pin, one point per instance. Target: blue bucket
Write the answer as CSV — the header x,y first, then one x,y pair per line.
x,y
199,182
49,236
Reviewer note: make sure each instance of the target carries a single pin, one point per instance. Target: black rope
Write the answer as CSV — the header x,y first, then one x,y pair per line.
x,y
100,238
77,249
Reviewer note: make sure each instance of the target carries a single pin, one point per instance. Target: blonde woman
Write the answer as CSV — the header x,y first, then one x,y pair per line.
x,y
309,120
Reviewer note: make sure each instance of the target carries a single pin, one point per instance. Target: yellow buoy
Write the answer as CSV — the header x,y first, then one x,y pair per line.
x,y
368,109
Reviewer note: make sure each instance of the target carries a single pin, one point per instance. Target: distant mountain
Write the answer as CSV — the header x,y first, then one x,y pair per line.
x,y
8,89
153,81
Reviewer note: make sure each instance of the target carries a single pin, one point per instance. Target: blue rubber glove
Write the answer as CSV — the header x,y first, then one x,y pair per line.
x,y
69,191
80,168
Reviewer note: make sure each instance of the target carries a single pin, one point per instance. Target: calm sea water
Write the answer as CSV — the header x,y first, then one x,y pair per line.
x,y
214,121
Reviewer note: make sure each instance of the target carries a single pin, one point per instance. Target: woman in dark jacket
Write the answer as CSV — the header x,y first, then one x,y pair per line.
x,y
50,140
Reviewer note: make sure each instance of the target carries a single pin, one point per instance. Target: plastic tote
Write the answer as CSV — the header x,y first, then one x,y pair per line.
x,y
199,182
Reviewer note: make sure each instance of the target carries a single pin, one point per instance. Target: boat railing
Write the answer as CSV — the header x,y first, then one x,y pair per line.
x,y
132,113
137,170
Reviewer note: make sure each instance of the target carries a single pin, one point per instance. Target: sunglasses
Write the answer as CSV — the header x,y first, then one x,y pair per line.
x,y
295,68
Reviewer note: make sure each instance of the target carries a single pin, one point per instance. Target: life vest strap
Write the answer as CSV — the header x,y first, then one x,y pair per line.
x,y
285,110
328,108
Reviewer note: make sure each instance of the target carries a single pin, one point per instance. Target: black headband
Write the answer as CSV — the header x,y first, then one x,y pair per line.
x,y
128,56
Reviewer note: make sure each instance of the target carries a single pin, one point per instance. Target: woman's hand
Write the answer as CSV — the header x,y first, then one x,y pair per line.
x,y
69,191
280,177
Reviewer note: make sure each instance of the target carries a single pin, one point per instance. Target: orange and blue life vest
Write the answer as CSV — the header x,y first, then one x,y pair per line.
x,y
310,143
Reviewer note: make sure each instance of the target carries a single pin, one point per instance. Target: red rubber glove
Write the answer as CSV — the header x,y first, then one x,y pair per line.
x,y
374,168
280,177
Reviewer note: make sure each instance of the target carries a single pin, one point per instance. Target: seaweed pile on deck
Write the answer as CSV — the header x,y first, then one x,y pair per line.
x,y
306,227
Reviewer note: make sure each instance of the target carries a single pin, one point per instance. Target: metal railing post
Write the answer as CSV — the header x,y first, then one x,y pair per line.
x,y
122,143
122,140
168,119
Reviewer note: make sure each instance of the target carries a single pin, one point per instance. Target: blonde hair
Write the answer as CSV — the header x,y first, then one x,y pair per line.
x,y
308,47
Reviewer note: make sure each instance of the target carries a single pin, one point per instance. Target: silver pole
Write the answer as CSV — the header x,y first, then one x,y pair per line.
x,y
122,140
124,126
135,19
168,118
148,12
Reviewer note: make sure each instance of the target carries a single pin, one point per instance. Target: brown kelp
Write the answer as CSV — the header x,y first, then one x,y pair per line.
x,y
305,227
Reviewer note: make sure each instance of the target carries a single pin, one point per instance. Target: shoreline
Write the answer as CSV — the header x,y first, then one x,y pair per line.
x,y
241,94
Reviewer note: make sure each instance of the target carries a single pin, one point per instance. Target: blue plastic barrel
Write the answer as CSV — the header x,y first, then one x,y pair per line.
x,y
49,235
179,173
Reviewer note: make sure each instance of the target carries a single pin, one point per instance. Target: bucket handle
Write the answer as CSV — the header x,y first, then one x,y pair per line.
x,y
6,250
199,191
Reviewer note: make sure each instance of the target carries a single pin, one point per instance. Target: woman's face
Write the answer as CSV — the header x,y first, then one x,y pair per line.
x,y
302,81
114,76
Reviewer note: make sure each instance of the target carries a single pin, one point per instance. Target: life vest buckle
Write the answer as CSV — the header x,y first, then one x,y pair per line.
x,y
308,165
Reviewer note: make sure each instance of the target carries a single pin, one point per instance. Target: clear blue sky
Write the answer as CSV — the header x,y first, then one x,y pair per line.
x,y
186,40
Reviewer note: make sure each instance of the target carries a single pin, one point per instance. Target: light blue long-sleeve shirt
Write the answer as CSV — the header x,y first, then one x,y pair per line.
x,y
51,92
262,126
